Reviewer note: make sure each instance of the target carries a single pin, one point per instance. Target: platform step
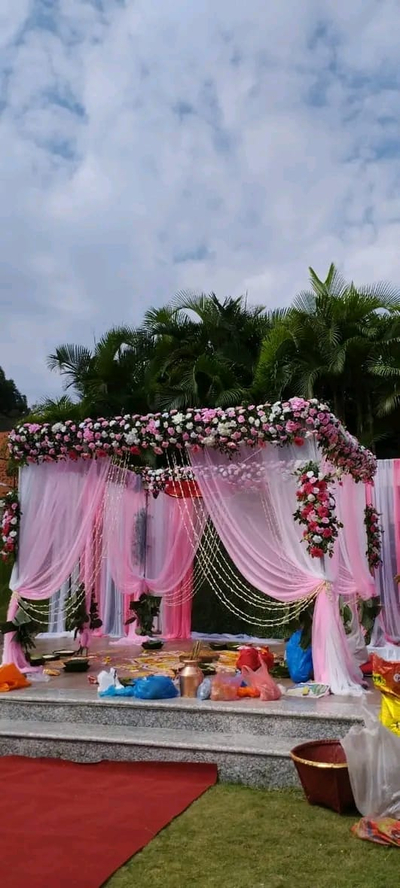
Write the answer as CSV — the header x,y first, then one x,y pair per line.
x,y
241,758
305,719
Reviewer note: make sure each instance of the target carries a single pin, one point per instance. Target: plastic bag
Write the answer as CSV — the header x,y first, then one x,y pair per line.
x,y
262,682
253,657
386,675
154,687
204,690
299,662
373,756
390,712
225,687
107,680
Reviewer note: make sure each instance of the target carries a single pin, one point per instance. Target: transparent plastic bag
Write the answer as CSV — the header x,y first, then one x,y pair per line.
x,y
262,681
225,687
373,756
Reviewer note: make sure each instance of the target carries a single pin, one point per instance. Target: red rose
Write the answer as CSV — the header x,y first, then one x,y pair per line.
x,y
316,552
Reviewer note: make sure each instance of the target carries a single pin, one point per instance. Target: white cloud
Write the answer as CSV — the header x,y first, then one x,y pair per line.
x,y
149,146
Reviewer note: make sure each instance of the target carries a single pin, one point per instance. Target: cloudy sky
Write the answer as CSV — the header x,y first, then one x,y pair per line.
x,y
154,145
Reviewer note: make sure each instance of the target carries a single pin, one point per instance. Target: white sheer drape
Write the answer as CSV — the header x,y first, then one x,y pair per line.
x,y
387,588
256,526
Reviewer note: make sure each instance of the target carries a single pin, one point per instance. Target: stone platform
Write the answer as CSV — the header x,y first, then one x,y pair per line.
x,y
250,741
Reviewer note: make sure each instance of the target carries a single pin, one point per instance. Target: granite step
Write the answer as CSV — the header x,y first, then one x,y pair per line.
x,y
241,758
305,719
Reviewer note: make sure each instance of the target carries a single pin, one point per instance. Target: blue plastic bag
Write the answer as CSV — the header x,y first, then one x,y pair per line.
x,y
204,690
299,662
154,687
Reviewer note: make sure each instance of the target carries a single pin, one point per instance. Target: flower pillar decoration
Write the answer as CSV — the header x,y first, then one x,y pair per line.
x,y
374,537
10,527
316,510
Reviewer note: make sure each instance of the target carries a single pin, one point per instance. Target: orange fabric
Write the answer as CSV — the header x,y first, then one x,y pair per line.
x,y
11,678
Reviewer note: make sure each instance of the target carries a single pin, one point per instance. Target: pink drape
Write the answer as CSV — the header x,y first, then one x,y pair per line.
x,y
177,610
173,531
58,505
354,574
254,519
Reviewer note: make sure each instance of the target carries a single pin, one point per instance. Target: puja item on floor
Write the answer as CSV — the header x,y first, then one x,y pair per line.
x,y
191,676
11,679
245,691
225,686
76,664
262,681
204,690
254,656
309,689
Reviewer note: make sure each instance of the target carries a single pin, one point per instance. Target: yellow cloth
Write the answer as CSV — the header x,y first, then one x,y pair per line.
x,y
11,678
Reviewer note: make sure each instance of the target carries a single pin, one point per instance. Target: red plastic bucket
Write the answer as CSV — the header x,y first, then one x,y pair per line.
x,y
324,775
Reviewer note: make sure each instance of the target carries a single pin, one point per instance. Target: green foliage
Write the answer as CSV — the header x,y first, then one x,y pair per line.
x,y
23,629
336,341
13,405
145,610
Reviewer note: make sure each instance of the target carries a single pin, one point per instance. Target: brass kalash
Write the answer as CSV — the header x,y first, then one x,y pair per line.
x,y
191,675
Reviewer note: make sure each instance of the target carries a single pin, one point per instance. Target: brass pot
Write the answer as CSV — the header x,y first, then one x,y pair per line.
x,y
190,678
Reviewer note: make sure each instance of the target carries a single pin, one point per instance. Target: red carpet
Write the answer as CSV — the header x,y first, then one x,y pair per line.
x,y
65,825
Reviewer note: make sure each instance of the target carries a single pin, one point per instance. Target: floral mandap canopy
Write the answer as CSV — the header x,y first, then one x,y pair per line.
x,y
275,483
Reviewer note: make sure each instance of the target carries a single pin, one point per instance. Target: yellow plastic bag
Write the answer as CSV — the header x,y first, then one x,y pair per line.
x,y
390,712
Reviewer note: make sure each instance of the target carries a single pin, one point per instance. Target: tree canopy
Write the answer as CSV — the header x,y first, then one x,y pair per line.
x,y
336,341
12,404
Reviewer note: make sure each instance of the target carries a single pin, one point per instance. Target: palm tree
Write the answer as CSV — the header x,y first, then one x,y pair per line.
x,y
206,350
111,379
339,343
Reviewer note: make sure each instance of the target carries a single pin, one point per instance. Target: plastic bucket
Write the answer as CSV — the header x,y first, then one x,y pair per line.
x,y
324,775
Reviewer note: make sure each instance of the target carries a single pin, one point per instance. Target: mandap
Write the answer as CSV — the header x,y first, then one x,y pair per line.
x,y
284,487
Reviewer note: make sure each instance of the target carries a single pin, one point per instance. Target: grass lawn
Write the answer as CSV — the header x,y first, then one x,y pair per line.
x,y
234,837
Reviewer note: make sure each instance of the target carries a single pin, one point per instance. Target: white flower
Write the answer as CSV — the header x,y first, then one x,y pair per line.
x,y
104,434
189,426
13,533
56,427
131,438
208,441
310,475
178,418
179,430
317,539
113,422
223,428
311,498
14,521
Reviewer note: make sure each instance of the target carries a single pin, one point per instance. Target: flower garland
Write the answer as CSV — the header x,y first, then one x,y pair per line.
x,y
10,526
316,510
374,537
285,422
